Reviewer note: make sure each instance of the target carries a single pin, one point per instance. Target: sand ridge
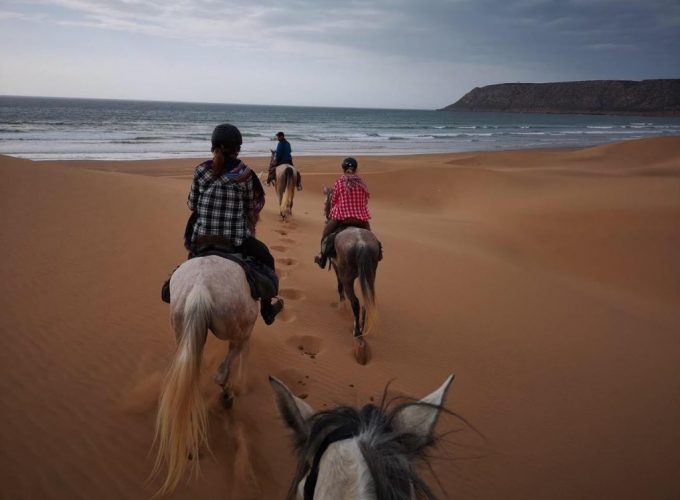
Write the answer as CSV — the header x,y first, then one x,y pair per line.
x,y
547,280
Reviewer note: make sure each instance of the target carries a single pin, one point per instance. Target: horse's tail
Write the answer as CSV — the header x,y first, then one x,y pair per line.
x,y
288,180
181,424
367,264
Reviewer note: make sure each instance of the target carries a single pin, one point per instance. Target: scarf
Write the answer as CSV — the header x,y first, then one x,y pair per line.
x,y
240,173
352,180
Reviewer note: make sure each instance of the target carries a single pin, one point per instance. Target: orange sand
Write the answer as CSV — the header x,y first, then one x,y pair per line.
x,y
548,281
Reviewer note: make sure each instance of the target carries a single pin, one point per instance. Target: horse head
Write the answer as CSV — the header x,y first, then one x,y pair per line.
x,y
364,453
272,161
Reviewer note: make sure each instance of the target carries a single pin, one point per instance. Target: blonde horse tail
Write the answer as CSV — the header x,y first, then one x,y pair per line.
x,y
288,182
182,424
367,264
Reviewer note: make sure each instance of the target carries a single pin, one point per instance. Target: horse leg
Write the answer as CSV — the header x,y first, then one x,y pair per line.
x,y
356,307
341,291
279,196
224,370
360,349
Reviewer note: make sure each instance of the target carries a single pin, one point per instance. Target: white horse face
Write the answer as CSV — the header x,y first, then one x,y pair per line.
x,y
341,470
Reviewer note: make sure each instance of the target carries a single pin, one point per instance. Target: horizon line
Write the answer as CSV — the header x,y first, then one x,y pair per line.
x,y
214,103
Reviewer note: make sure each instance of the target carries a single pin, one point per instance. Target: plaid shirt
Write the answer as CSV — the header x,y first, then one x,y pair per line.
x,y
223,203
349,199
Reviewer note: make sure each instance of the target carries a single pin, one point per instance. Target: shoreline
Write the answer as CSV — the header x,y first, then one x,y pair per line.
x,y
510,159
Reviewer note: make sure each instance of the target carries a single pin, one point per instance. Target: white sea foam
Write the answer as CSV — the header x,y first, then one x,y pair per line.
x,y
41,128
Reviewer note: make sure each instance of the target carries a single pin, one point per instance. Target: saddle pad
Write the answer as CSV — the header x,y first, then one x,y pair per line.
x,y
261,279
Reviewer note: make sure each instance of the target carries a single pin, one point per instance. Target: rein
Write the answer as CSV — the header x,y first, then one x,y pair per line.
x,y
339,434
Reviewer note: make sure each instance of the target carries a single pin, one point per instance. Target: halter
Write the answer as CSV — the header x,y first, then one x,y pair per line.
x,y
339,434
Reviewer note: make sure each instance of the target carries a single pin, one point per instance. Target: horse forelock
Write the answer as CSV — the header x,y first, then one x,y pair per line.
x,y
388,456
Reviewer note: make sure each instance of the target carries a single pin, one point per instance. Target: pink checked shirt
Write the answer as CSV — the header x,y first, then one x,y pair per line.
x,y
349,199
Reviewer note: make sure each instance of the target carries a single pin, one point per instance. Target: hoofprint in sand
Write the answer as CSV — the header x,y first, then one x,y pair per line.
x,y
546,280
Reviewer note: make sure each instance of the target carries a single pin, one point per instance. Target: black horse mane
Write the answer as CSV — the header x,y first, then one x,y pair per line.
x,y
391,456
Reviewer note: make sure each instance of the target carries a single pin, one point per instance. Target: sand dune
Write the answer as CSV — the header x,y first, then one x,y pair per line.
x,y
548,281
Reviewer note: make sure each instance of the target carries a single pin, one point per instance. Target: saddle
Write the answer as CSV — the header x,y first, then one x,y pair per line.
x,y
263,281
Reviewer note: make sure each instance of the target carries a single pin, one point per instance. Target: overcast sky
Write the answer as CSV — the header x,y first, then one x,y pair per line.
x,y
365,53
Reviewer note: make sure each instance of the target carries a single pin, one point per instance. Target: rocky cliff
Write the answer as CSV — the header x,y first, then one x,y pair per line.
x,y
646,97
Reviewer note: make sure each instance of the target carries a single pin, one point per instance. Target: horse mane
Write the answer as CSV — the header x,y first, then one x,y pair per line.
x,y
391,456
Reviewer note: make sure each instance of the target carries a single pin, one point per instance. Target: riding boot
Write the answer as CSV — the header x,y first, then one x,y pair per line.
x,y
165,291
270,309
321,260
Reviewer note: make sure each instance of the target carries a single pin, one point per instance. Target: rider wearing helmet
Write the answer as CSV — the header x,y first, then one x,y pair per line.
x,y
349,205
225,199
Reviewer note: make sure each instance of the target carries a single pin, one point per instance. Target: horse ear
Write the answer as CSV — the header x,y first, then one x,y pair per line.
x,y
326,190
419,418
294,411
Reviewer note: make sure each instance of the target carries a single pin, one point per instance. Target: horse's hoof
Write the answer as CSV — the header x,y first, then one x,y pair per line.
x,y
227,399
361,351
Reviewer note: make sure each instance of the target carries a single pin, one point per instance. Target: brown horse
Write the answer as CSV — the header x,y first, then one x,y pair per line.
x,y
357,252
207,294
286,180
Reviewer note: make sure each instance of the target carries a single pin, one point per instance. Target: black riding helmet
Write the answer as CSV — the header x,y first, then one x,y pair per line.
x,y
349,163
226,135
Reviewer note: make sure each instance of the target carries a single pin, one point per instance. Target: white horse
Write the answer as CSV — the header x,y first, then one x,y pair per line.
x,y
286,180
207,293
347,453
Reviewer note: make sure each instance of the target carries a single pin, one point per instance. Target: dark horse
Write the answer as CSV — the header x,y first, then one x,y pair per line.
x,y
364,454
356,253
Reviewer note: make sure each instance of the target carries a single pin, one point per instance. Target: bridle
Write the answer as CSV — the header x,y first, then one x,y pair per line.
x,y
339,434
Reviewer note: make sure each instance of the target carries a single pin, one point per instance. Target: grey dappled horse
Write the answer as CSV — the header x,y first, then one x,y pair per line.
x,y
357,253
207,293
286,180
362,454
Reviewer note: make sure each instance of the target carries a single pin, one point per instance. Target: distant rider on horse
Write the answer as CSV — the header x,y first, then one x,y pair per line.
x,y
349,206
282,156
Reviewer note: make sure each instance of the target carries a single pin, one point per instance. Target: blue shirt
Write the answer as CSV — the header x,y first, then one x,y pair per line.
x,y
283,152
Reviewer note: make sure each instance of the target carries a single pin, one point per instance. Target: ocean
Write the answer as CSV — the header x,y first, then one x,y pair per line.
x,y
41,128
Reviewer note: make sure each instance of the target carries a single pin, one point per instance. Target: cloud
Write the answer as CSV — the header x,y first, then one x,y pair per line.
x,y
433,51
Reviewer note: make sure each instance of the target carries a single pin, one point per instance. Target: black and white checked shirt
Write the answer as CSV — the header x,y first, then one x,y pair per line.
x,y
222,204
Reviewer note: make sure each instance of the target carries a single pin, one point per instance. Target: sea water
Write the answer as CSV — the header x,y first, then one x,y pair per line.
x,y
41,128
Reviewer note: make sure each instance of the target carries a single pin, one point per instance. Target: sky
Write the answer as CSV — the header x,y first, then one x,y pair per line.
x,y
412,54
